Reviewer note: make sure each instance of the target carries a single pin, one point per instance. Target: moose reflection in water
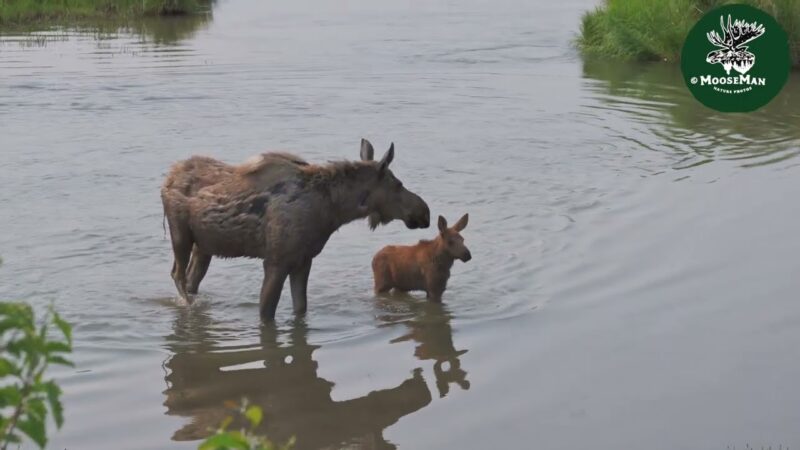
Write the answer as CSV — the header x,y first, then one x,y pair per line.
x,y
280,375
429,327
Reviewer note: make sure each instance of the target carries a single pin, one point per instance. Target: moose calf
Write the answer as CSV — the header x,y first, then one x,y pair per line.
x,y
422,267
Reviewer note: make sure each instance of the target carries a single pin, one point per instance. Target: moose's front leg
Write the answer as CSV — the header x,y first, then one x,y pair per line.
x,y
434,288
274,277
299,282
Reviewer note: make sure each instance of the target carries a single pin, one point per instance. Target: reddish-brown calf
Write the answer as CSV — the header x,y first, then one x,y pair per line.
x,y
422,267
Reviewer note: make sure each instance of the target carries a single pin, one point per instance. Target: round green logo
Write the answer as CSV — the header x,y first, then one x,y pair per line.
x,y
736,59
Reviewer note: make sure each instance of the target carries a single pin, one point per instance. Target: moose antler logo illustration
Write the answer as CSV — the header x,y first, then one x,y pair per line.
x,y
733,53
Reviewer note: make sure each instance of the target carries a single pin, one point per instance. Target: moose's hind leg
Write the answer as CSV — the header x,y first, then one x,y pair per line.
x,y
274,278
298,280
182,248
198,266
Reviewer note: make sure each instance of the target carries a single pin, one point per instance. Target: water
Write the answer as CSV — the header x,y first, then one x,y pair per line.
x,y
633,281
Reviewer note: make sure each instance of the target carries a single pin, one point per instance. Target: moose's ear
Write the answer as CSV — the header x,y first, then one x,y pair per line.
x,y
442,224
462,223
367,152
386,160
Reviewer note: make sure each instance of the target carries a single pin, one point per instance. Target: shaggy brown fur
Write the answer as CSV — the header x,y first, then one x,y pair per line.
x,y
278,208
422,267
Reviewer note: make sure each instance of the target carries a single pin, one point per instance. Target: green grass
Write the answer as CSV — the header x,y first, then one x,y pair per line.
x,y
654,30
26,12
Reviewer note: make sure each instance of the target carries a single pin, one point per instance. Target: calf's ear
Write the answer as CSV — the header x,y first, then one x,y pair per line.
x,y
462,223
367,152
442,224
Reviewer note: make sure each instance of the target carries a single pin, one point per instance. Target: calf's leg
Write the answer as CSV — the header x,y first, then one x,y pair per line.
x,y
274,277
381,277
198,266
381,286
434,289
298,280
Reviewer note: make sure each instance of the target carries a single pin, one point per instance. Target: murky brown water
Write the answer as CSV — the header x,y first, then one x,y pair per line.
x,y
635,255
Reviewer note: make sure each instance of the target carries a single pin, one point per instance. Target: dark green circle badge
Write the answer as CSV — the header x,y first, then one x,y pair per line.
x,y
736,59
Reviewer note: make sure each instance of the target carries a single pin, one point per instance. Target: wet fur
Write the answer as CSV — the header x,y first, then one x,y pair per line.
x,y
421,267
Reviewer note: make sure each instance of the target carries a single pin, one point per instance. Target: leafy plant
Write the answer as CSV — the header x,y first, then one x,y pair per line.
x,y
26,351
242,439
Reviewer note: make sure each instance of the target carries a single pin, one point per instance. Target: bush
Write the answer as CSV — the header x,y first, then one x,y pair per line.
x,y
243,439
655,30
27,11
27,352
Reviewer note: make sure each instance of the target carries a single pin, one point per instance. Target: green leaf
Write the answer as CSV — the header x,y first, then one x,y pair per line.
x,y
28,345
11,323
43,332
10,395
37,409
19,315
15,309
225,422
54,398
225,441
55,359
254,415
60,347
64,326
7,368
34,429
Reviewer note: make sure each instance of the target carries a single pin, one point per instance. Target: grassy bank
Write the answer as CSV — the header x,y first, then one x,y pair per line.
x,y
654,30
25,12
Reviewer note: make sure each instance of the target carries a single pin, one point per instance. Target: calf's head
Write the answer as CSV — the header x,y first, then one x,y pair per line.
x,y
386,198
451,239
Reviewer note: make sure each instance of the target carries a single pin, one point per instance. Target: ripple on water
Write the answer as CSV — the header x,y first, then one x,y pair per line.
x,y
669,120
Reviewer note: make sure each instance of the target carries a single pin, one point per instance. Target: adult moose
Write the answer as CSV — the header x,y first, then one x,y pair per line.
x,y
278,208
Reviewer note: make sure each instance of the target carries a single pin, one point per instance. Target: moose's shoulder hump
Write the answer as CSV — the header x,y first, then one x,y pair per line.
x,y
264,161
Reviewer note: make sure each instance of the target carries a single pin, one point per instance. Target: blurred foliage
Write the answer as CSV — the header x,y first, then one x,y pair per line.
x,y
244,438
26,351
655,30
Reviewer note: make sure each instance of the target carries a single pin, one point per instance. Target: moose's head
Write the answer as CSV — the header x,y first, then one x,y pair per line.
x,y
451,240
387,199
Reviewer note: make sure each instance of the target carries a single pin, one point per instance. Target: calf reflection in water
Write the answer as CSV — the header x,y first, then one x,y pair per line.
x,y
280,376
428,324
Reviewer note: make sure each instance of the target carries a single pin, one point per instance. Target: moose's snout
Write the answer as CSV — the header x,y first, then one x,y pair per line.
x,y
467,256
425,220
420,216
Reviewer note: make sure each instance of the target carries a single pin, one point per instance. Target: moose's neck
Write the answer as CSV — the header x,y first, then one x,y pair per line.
x,y
346,206
347,195
441,256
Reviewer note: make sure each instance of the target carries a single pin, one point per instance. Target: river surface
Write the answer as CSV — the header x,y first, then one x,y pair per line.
x,y
636,260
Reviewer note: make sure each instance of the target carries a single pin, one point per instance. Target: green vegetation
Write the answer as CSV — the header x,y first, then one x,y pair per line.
x,y
26,12
649,30
26,351
242,439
